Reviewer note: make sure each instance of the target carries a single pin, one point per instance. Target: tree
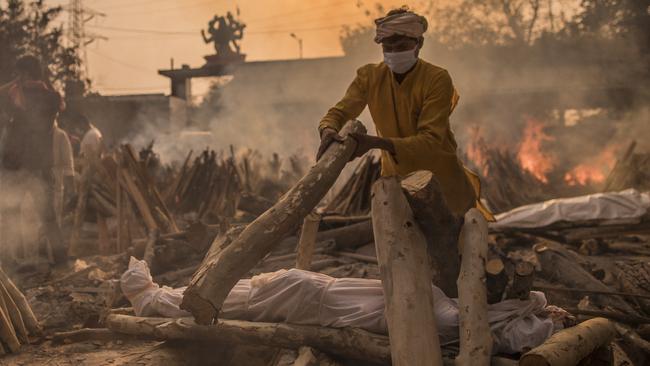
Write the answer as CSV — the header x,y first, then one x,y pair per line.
x,y
26,28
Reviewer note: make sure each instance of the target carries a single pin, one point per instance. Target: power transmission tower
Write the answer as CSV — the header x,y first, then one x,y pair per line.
x,y
78,16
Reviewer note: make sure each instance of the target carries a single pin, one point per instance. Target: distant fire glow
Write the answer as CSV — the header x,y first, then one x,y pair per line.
x,y
530,154
593,171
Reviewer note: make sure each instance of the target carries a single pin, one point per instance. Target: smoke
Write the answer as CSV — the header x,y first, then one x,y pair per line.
x,y
21,202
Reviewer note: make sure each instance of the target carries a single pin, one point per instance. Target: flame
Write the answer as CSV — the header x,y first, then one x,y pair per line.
x,y
593,171
529,153
476,150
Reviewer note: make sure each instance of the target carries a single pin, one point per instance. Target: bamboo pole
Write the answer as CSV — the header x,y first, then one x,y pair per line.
x,y
475,337
405,276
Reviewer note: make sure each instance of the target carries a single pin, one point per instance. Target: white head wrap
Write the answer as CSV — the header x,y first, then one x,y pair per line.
x,y
404,24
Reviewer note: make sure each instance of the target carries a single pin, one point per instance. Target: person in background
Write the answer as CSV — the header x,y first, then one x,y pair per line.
x,y
63,170
27,152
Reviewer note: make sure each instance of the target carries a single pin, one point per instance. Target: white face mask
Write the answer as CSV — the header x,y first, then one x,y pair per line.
x,y
400,62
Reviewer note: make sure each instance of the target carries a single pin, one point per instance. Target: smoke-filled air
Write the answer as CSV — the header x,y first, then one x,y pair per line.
x,y
325,183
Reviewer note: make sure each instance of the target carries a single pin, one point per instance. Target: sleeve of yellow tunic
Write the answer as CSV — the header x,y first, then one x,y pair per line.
x,y
351,106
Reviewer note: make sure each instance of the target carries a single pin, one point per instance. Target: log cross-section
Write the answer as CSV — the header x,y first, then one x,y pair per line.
x,y
406,277
215,278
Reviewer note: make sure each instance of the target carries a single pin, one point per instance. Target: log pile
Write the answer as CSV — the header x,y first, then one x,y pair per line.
x,y
17,320
208,186
502,180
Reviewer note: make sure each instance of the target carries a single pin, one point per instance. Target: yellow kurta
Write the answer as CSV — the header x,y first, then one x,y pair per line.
x,y
414,115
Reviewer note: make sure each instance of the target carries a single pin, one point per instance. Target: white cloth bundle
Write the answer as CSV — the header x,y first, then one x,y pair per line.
x,y
308,298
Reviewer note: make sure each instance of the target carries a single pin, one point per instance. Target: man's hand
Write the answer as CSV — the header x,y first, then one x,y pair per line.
x,y
327,137
366,143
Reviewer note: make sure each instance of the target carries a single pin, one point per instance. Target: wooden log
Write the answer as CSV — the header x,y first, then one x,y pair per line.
x,y
567,347
406,277
614,315
633,338
496,280
475,337
556,266
307,241
440,228
347,342
103,236
141,203
584,291
150,248
29,319
306,357
11,309
346,237
7,333
214,280
359,257
522,282
88,334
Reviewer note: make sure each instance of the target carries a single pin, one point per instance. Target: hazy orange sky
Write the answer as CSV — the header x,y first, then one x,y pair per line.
x,y
143,35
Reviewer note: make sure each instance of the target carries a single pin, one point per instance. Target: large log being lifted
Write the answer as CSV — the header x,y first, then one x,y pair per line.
x,y
405,276
215,278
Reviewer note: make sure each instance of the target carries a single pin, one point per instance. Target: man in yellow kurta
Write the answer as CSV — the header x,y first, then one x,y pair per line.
x,y
410,101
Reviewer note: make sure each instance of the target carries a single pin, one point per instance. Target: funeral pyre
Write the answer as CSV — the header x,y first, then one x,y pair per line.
x,y
174,217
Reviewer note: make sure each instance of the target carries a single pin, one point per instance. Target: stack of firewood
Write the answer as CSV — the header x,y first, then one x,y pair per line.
x,y
504,184
208,186
354,197
17,321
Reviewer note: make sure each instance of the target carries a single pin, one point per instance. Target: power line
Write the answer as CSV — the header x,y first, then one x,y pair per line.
x,y
120,62
187,32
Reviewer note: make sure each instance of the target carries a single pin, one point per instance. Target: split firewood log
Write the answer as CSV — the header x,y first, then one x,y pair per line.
x,y
7,332
475,336
29,319
440,228
496,280
522,282
405,277
11,309
214,280
567,347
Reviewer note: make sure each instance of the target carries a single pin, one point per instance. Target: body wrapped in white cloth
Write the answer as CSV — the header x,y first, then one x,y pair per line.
x,y
308,298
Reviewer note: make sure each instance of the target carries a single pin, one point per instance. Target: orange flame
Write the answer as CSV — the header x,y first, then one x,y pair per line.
x,y
476,150
593,171
529,153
